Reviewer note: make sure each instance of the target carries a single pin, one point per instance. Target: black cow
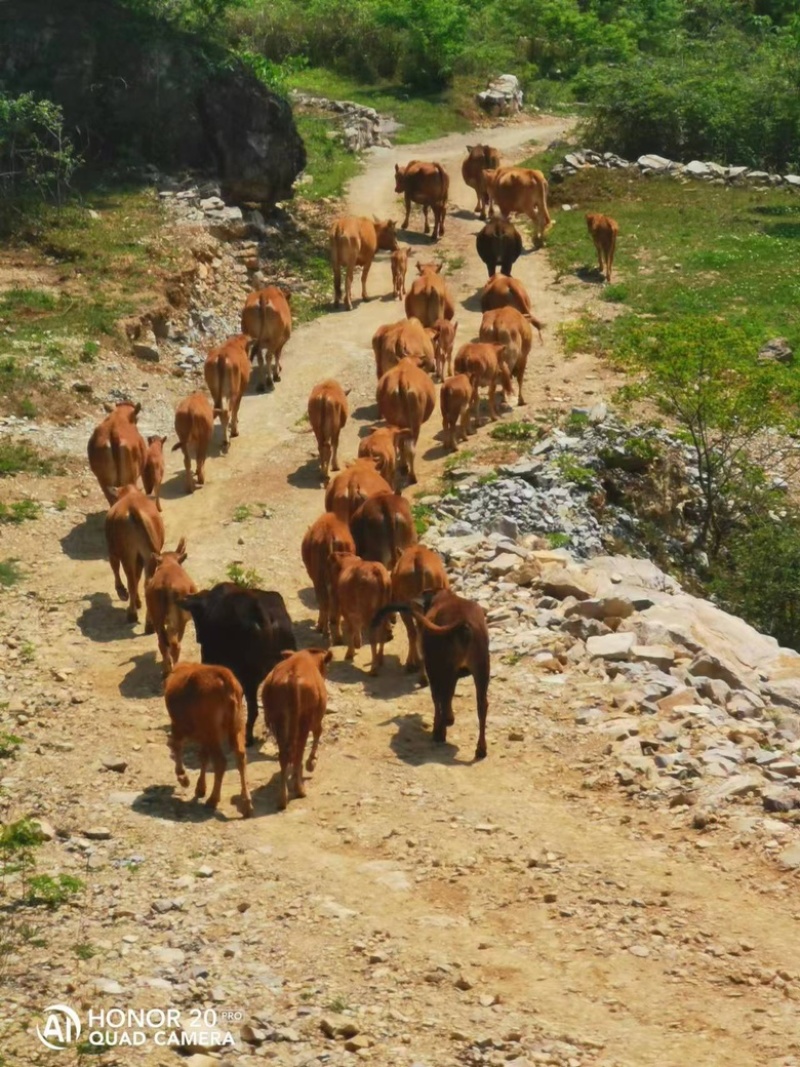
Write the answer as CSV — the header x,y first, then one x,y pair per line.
x,y
499,242
245,630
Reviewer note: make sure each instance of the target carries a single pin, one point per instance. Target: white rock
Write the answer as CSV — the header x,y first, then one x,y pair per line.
x,y
616,646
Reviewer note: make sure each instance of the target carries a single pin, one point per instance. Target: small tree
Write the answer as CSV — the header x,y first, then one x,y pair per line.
x,y
35,153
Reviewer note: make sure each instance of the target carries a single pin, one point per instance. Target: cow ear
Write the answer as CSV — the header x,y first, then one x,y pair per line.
x,y
438,268
287,653
181,550
109,407
397,168
163,440
455,329
470,147
137,407
419,268
153,564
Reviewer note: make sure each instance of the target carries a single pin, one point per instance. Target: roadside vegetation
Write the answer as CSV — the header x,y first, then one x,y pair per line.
x,y
703,279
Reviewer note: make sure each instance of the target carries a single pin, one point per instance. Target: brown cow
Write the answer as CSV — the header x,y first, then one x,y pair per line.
x,y
295,699
480,158
117,451
418,571
205,705
455,401
521,190
499,243
506,326
455,642
427,184
383,527
603,230
354,242
390,448
327,413
324,537
227,372
406,398
399,268
267,320
359,589
429,298
153,472
484,366
396,340
194,425
444,339
134,533
165,583
351,487
501,291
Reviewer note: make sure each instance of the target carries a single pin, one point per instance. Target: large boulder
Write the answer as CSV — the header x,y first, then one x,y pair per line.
x,y
503,96
136,90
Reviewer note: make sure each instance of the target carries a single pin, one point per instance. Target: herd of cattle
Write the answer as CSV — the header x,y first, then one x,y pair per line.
x,y
361,554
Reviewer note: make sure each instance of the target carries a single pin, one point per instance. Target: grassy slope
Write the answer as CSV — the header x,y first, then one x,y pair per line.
x,y
694,263
422,117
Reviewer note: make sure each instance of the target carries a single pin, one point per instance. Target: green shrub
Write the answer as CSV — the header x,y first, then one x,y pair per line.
x,y
10,572
247,578
35,153
19,511
759,578
49,892
515,431
16,457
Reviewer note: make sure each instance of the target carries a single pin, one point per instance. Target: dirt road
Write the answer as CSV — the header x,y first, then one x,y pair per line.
x,y
517,910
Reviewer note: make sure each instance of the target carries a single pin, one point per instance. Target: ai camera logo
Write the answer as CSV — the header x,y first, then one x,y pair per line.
x,y
61,1027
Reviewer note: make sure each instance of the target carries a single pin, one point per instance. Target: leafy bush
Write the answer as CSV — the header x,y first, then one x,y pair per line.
x,y
35,153
760,576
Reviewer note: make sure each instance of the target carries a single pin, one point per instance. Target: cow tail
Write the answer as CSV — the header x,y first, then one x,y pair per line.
x,y
217,383
444,182
117,460
144,526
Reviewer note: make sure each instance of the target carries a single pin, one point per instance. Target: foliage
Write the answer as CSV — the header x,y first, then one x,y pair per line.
x,y
760,577
49,892
582,477
558,540
10,572
9,744
35,154
16,457
19,511
423,517
515,431
247,578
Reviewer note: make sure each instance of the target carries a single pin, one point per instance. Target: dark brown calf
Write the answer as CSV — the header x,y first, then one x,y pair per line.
x,y
455,643
153,473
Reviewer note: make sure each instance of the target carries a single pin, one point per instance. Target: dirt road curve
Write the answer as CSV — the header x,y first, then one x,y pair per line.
x,y
587,931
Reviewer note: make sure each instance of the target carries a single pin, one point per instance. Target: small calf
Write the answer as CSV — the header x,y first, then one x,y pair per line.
x,y
483,363
325,536
294,699
391,447
153,472
194,425
165,583
418,571
399,268
455,398
359,589
443,342
327,413
205,706
603,230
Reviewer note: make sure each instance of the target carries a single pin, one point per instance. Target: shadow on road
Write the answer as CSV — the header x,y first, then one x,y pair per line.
x,y
104,619
87,540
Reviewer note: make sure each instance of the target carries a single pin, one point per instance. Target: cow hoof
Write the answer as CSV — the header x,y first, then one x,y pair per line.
x,y
183,779
132,616
199,792
310,765
277,377
480,752
225,448
148,627
211,803
250,741
450,720
261,388
247,810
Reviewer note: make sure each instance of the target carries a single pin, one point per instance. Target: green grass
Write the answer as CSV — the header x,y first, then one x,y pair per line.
x,y
19,511
49,892
17,457
329,164
84,950
10,572
697,265
423,117
9,744
246,577
423,517
515,431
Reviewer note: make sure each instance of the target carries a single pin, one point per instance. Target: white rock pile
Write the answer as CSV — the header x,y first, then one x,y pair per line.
x,y
716,173
698,708
360,127
502,96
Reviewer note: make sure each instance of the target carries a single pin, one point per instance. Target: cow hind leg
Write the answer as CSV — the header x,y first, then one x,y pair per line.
x,y
482,696
408,213
132,578
187,468
364,275
120,588
425,210
283,785
299,781
237,744
176,748
311,762
200,788
218,763
252,715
